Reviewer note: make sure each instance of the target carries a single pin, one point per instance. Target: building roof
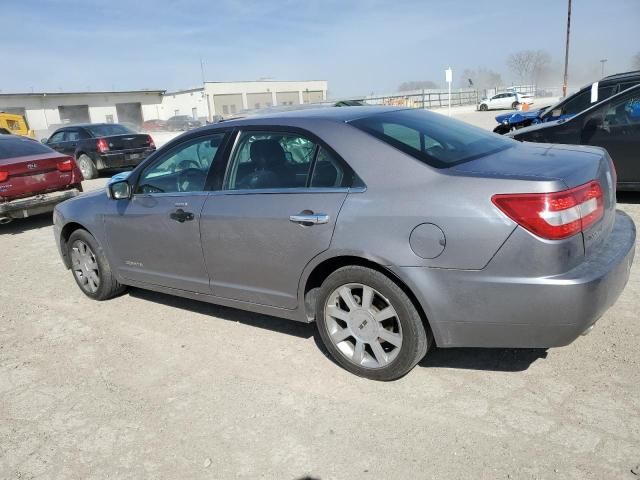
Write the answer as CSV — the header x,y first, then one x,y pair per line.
x,y
52,94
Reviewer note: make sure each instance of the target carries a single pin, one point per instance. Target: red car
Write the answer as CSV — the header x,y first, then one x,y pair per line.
x,y
34,178
155,126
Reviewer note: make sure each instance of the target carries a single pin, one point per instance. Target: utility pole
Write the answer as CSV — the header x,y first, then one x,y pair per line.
x,y
603,61
202,70
566,53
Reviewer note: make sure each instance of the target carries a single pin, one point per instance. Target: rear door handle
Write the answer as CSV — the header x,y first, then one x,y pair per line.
x,y
181,216
310,218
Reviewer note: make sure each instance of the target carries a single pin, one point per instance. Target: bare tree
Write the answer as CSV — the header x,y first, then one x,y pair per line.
x,y
417,85
528,65
635,61
480,78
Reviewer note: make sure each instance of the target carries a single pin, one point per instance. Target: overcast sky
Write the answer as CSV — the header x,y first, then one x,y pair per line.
x,y
359,46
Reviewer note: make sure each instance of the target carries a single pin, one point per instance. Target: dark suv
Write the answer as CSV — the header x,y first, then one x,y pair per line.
x,y
101,146
572,105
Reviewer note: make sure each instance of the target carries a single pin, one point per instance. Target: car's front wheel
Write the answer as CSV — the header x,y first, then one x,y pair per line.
x,y
483,107
90,267
369,324
87,167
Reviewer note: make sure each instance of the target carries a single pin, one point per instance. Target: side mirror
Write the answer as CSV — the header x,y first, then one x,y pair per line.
x,y
119,190
44,140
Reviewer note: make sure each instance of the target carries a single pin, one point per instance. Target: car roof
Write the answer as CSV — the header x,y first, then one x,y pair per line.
x,y
341,114
623,75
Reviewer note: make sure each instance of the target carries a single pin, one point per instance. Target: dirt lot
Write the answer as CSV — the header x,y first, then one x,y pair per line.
x,y
152,386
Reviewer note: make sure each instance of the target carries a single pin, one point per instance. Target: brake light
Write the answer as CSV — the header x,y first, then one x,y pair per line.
x,y
102,145
556,215
4,176
150,142
65,165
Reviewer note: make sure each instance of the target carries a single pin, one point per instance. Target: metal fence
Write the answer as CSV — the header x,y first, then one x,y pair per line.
x,y
426,99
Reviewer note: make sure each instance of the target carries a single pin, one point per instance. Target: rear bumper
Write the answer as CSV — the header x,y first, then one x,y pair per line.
x,y
130,158
477,309
27,207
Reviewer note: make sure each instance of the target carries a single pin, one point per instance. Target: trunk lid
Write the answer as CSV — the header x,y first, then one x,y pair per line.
x,y
132,141
36,174
567,166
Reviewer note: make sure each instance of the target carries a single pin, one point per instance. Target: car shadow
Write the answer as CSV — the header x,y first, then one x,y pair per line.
x,y
266,322
628,197
490,359
22,225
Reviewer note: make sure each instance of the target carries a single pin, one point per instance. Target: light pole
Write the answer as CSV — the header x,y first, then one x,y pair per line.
x,y
566,53
603,61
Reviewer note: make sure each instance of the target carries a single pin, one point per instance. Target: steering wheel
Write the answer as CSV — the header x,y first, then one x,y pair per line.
x,y
185,165
190,179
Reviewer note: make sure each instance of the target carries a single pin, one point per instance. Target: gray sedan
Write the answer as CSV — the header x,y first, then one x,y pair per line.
x,y
392,229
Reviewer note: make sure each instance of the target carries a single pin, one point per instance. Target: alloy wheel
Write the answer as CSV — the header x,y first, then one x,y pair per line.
x,y
85,266
363,325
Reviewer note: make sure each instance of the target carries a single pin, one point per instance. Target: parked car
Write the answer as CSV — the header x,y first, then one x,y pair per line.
x,y
504,100
100,146
613,124
182,122
155,125
16,124
33,178
391,228
571,105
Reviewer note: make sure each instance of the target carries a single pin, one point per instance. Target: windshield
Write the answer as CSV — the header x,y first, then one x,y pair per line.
x,y
432,138
15,146
108,130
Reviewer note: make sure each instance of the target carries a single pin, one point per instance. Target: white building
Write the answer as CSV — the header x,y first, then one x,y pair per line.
x,y
47,111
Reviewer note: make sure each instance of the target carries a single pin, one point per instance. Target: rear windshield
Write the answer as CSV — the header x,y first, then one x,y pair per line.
x,y
432,138
107,130
15,146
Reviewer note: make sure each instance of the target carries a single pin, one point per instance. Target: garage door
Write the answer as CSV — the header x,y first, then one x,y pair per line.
x,y
227,104
288,98
129,113
74,113
259,100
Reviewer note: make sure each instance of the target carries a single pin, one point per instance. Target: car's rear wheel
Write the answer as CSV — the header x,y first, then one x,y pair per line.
x,y
483,107
87,167
369,324
90,267
514,105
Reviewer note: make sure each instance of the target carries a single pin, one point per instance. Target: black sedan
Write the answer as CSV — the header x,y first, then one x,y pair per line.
x,y
613,124
101,146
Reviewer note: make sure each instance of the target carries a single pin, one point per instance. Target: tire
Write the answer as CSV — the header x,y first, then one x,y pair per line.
x,y
353,336
87,256
514,105
483,107
87,167
502,129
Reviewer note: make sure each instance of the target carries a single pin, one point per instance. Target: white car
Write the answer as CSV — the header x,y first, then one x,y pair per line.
x,y
505,100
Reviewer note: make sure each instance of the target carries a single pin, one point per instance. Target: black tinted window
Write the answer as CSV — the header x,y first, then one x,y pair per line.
x,y
433,138
11,147
109,129
57,137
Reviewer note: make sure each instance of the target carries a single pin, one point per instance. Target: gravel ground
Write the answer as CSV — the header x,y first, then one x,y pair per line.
x,y
152,386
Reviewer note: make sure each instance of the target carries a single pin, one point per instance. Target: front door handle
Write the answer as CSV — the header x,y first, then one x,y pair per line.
x,y
181,216
310,218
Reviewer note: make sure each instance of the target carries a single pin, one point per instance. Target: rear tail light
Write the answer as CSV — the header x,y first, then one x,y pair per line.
x,y
4,176
150,142
102,145
556,215
66,165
